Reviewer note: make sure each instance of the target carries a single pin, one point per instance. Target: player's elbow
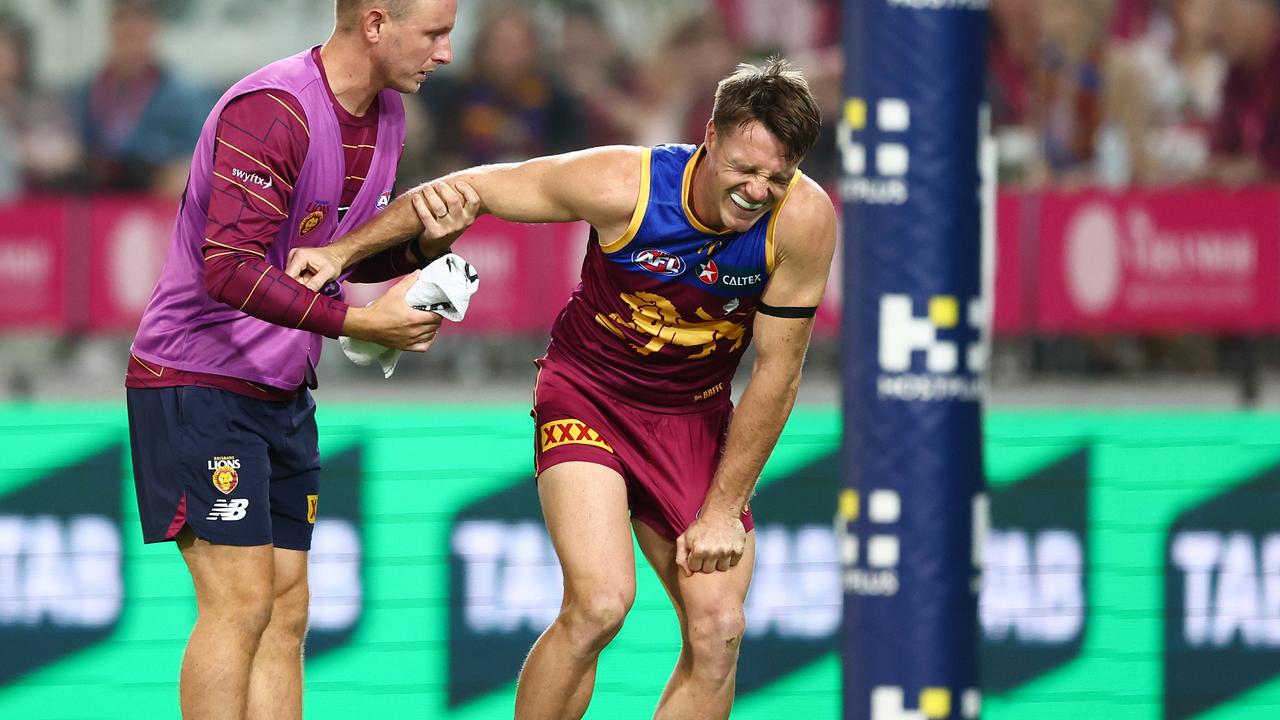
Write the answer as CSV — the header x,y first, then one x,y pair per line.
x,y
218,272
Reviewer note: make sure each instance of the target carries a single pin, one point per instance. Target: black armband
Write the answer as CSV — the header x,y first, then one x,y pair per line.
x,y
419,257
792,313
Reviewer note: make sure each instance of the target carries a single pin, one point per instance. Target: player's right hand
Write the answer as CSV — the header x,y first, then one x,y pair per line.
x,y
389,320
313,266
445,210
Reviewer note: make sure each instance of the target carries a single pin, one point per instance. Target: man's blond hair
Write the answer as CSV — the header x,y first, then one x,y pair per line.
x,y
348,12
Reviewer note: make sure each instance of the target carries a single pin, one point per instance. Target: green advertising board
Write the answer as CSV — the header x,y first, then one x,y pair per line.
x,y
1133,571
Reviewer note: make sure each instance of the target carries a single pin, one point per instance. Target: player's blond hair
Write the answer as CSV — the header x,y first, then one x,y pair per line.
x,y
348,12
777,96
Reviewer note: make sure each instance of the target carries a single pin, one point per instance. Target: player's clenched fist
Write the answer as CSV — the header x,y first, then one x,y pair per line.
x,y
715,541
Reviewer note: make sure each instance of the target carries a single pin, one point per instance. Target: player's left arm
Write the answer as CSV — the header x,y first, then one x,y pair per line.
x,y
805,237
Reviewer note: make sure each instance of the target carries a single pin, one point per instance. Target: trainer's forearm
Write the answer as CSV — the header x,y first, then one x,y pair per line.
x,y
397,222
757,422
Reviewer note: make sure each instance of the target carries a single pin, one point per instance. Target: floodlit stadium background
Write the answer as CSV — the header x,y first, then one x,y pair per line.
x,y
1133,567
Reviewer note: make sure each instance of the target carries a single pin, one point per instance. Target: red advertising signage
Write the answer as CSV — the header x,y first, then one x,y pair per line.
x,y
130,237
1012,308
1173,260
33,283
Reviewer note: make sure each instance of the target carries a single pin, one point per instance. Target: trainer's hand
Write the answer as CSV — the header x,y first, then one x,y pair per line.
x,y
715,541
391,322
446,210
314,266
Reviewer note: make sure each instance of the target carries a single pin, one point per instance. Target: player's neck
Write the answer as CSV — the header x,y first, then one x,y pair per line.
x,y
702,200
350,74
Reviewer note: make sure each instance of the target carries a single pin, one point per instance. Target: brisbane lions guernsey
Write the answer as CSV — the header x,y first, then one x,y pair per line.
x,y
664,313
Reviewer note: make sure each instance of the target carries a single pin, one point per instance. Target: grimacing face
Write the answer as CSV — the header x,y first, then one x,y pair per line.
x,y
749,174
414,44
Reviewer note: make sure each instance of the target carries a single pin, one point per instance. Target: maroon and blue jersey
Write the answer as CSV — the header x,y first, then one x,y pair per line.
x,y
664,313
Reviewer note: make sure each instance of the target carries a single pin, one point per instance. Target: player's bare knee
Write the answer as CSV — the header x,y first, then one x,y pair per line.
x,y
243,608
289,614
716,636
593,619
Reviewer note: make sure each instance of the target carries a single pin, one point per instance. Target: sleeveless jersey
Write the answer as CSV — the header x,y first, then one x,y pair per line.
x,y
664,313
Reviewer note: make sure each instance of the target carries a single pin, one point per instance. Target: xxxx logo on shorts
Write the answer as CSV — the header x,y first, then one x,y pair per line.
x,y
225,475
313,503
569,432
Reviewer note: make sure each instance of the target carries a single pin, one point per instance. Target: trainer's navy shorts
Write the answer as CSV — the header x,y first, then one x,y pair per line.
x,y
237,470
667,459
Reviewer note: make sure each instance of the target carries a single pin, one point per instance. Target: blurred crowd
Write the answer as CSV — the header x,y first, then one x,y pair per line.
x,y
532,82
1109,92
1135,92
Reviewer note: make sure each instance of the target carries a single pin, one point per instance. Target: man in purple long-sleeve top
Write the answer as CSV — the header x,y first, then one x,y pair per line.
x,y
222,424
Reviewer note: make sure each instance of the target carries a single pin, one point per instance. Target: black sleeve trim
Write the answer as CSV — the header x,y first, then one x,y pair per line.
x,y
787,312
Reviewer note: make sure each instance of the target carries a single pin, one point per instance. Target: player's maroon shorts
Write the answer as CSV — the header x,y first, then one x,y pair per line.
x,y
666,455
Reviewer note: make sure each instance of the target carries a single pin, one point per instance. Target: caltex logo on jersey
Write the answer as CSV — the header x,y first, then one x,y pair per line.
x,y
659,261
708,272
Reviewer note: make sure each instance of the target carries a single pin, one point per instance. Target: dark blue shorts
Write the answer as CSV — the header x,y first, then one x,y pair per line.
x,y
238,471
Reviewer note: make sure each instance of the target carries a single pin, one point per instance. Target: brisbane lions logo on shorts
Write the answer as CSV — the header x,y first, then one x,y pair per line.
x,y
225,477
659,261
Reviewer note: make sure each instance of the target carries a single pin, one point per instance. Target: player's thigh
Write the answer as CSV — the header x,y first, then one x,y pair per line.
x,y
705,596
661,554
289,574
585,508
228,577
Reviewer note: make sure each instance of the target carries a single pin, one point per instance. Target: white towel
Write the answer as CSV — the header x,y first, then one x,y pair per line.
x,y
445,286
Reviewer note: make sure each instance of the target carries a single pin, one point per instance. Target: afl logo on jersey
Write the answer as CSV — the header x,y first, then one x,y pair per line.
x,y
658,261
708,272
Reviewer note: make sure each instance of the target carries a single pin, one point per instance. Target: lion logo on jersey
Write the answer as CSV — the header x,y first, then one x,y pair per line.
x,y
315,216
657,317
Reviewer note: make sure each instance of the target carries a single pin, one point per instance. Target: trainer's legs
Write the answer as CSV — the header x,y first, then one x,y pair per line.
x,y
709,607
275,685
585,507
233,605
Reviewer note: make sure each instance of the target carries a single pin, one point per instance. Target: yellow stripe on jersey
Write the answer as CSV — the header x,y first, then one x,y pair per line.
x,y
231,247
147,367
255,287
642,205
285,105
308,312
684,194
770,254
261,164
244,187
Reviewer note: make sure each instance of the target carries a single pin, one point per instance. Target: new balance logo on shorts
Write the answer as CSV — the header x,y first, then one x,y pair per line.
x,y
229,510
